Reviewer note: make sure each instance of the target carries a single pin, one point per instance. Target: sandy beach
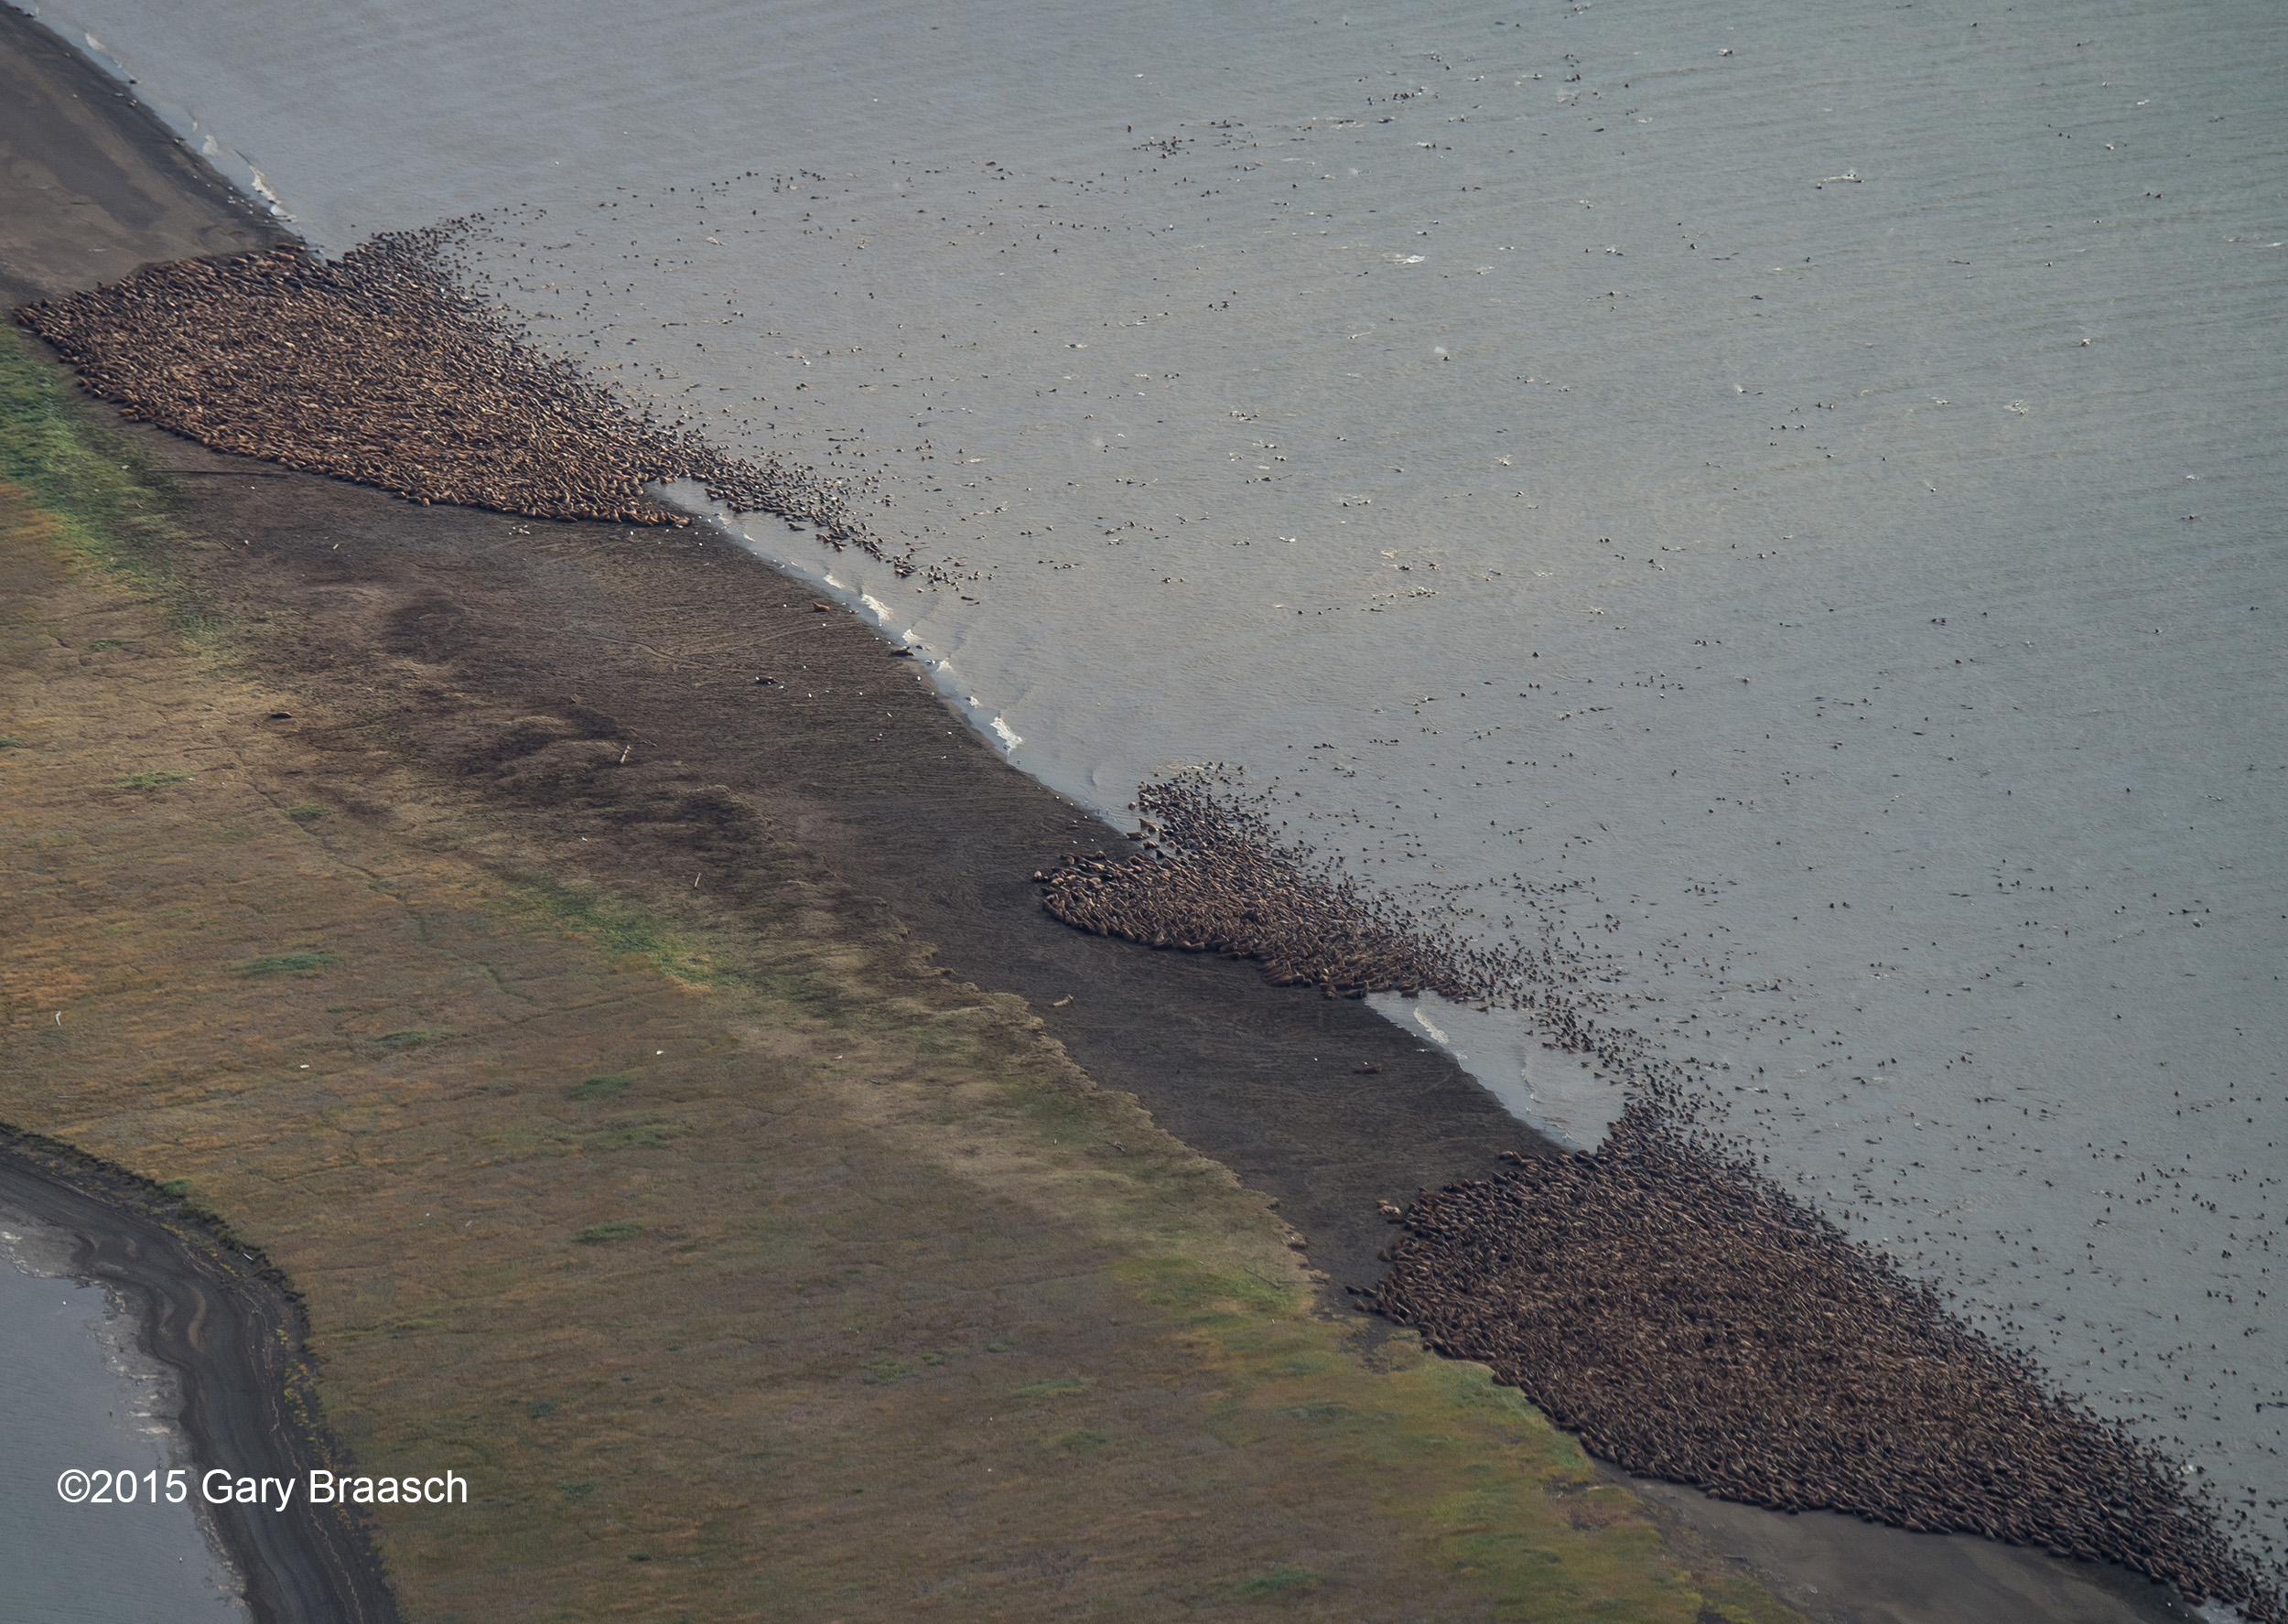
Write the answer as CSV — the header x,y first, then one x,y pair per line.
x,y
510,661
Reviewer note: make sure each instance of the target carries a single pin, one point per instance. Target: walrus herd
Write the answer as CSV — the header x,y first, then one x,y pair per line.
x,y
381,366
1213,877
1688,1319
1684,1317
1690,1322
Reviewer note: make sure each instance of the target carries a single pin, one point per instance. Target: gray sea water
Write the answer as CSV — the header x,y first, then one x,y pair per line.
x,y
1788,499
75,1393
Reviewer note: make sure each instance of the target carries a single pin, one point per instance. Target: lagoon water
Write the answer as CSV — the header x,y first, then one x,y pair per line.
x,y
75,1396
1785,501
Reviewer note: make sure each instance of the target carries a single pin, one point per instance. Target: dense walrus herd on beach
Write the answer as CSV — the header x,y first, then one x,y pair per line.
x,y
1662,1299
1692,1323
1212,879
381,368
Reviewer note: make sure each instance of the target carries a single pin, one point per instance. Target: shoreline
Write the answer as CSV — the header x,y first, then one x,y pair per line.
x,y
117,1337
1264,1082
231,1339
77,138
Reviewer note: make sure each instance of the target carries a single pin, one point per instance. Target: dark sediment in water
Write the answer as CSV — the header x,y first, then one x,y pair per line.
x,y
382,368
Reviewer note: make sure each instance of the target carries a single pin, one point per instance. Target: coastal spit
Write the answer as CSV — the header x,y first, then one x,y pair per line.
x,y
1684,1318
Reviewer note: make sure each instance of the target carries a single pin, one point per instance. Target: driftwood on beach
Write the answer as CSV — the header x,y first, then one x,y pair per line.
x,y
382,368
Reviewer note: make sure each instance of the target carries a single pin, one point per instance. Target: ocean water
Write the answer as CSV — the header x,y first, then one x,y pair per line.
x,y
1786,502
76,1394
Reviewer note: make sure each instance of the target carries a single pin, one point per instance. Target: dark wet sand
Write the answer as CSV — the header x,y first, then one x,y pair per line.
x,y
91,185
437,629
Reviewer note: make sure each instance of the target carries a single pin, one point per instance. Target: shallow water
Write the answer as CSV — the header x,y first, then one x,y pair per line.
x,y
75,1394
1791,493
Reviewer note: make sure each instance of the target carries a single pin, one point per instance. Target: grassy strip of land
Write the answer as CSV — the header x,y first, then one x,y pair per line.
x,y
746,1267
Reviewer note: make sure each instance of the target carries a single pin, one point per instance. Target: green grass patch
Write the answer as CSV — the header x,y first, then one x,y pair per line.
x,y
9,741
604,1087
617,928
194,1199
1051,1387
603,1234
882,1371
289,963
1279,1581
152,781
112,508
412,1037
644,1133
305,814
1081,1440
541,1407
